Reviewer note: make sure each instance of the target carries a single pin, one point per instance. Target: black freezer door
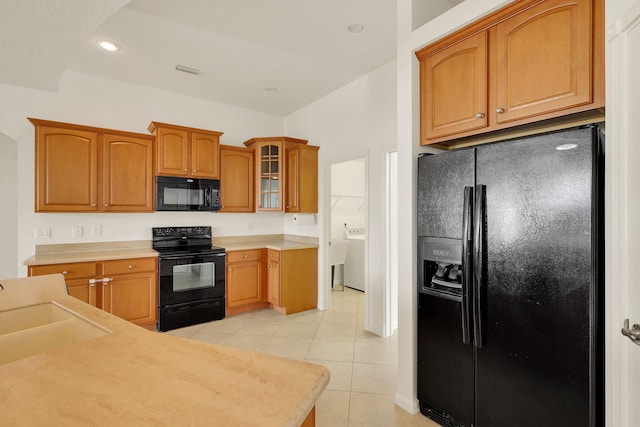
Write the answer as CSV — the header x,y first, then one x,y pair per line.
x,y
445,363
536,361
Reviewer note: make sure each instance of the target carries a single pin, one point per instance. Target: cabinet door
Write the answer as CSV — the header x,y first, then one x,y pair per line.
x,y
302,179
453,85
127,174
269,171
274,281
298,280
172,151
237,179
66,170
83,290
205,150
244,283
544,59
132,297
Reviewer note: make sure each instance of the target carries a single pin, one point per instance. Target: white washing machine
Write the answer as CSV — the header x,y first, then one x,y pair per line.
x,y
354,261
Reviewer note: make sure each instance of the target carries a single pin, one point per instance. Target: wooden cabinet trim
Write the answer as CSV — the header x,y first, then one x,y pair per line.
x,y
84,128
155,125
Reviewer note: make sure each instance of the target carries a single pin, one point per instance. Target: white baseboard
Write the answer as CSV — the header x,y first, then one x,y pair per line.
x,y
410,405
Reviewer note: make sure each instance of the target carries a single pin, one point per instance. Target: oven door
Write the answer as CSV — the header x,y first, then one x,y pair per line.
x,y
190,278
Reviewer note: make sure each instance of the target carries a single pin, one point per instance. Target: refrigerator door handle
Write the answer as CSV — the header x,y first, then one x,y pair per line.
x,y
478,263
467,263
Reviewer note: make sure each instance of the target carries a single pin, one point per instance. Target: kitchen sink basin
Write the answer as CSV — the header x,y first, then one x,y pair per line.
x,y
35,329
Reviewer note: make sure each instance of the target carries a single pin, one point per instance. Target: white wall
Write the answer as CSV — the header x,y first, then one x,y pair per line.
x,y
8,213
94,101
408,146
358,120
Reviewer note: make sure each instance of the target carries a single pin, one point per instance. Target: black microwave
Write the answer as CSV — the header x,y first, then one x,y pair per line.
x,y
187,194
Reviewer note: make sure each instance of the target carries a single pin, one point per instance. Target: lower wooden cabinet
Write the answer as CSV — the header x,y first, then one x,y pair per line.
x,y
286,281
246,284
293,280
126,288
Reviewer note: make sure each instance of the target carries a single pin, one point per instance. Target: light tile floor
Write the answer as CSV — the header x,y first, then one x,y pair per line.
x,y
363,365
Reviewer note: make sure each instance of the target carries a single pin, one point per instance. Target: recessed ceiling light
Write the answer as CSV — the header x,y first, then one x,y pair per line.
x,y
270,89
355,28
108,45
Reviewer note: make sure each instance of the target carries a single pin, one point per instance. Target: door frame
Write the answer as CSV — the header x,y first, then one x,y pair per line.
x,y
622,386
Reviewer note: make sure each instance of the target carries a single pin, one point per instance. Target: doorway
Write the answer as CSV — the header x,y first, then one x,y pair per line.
x,y
360,230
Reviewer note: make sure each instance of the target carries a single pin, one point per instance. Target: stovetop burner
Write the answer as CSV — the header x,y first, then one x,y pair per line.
x,y
183,241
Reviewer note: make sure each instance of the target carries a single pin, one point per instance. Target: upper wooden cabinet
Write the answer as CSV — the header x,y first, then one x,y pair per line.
x,y
302,178
286,174
454,88
237,180
87,169
530,61
184,151
127,178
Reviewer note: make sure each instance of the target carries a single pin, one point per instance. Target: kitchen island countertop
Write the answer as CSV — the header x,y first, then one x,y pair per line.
x,y
133,376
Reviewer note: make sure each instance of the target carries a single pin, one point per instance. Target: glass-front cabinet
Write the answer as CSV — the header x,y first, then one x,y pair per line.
x,y
269,176
273,179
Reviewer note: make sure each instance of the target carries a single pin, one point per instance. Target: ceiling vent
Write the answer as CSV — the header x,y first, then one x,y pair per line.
x,y
188,70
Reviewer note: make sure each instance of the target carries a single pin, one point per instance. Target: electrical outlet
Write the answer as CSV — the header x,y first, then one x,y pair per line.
x,y
97,230
77,231
42,232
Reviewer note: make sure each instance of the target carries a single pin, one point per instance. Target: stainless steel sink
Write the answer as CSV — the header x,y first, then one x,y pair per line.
x,y
35,329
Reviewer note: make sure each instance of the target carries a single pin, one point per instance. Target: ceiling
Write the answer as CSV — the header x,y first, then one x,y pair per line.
x,y
268,55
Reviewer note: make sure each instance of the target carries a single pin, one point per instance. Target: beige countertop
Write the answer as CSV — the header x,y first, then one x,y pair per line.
x,y
279,245
133,376
87,252
278,242
104,251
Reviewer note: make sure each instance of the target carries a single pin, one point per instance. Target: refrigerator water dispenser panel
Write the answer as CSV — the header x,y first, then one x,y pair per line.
x,y
441,265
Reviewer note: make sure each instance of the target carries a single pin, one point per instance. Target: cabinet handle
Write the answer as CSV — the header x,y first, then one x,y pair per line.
x,y
185,170
268,265
230,269
288,206
194,170
65,272
93,204
246,256
480,115
106,204
499,110
106,280
131,266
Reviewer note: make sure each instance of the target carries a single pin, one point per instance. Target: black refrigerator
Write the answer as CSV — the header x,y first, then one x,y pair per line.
x,y
510,282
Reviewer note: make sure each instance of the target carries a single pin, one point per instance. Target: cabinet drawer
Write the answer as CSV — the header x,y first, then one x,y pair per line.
x,y
70,271
274,255
249,255
125,266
